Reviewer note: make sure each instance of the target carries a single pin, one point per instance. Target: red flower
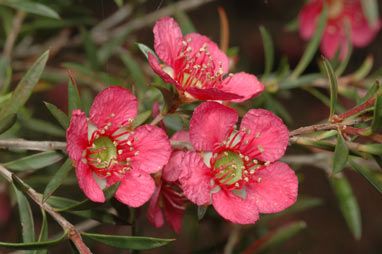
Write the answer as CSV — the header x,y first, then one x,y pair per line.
x,y
107,148
236,170
168,193
196,66
362,33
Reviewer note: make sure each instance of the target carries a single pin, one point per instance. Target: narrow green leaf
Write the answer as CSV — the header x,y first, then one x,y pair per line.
x,y
341,153
301,81
312,45
141,118
348,204
26,217
169,98
7,122
32,7
129,242
107,50
25,87
276,237
377,117
87,204
375,149
74,100
276,107
333,86
372,90
42,126
57,179
4,63
364,69
146,50
368,174
133,69
268,51
33,245
370,9
202,211
60,116
90,48
43,237
35,161
292,25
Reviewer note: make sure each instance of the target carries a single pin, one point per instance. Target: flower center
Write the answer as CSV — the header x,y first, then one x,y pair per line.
x,y
228,168
104,152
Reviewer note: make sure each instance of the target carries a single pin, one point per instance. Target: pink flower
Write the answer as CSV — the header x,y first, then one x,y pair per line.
x,y
107,150
168,193
339,11
236,170
196,66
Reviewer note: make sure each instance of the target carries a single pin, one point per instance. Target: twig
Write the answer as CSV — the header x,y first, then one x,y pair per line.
x,y
157,119
324,126
224,29
32,145
232,239
72,232
355,110
16,25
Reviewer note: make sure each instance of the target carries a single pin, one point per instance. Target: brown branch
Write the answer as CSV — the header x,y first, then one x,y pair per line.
x,y
16,26
354,111
323,127
32,145
73,234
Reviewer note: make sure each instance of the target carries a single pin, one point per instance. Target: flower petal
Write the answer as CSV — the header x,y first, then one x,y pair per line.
x,y
181,136
212,94
210,124
195,179
77,135
276,190
171,170
362,32
196,42
308,19
243,84
154,213
165,76
88,184
334,37
167,39
114,104
234,208
136,188
267,132
152,149
173,215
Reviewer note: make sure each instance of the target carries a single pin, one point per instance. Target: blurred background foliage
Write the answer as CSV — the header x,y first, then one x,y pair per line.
x,y
97,43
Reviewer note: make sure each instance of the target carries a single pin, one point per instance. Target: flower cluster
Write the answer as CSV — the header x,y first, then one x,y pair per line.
x,y
234,169
339,13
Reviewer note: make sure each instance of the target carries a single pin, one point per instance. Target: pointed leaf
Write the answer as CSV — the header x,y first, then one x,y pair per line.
x,y
43,237
35,161
377,117
32,7
368,174
312,45
372,90
7,122
26,217
364,69
74,100
268,51
146,50
202,212
141,118
370,9
341,153
333,86
60,116
129,242
275,237
57,179
87,204
33,245
348,204
90,48
25,87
